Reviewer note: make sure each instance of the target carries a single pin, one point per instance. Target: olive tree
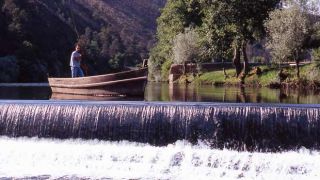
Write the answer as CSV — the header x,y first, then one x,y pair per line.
x,y
288,31
186,47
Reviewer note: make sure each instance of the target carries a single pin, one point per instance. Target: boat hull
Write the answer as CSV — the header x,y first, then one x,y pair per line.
x,y
129,83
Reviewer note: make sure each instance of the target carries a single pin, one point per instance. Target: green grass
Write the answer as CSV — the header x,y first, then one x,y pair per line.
x,y
268,76
308,74
217,77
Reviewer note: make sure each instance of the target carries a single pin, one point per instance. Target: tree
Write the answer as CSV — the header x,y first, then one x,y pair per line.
x,y
288,31
216,31
246,17
310,6
175,17
316,50
220,23
117,62
186,47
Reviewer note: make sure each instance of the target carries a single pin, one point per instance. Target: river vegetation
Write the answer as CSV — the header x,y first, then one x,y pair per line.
x,y
201,31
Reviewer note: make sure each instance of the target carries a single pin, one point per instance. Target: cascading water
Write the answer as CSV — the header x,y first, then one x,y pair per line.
x,y
153,140
265,127
34,159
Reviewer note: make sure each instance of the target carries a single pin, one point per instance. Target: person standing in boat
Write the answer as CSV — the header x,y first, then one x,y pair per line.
x,y
75,62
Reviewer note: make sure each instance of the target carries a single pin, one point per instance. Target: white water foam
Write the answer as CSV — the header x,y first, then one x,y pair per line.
x,y
33,157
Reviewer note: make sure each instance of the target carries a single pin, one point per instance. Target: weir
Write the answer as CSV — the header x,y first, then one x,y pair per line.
x,y
264,127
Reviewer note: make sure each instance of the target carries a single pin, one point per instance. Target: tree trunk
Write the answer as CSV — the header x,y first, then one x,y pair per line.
x,y
224,69
297,60
297,68
245,58
236,60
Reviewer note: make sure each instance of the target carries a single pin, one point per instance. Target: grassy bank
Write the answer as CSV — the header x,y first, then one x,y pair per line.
x,y
263,76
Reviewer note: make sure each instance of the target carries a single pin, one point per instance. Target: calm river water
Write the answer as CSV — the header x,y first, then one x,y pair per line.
x,y
182,93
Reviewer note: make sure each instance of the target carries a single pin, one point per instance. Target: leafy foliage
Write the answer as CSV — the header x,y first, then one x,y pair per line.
x,y
288,30
175,17
186,47
102,50
220,25
41,34
216,31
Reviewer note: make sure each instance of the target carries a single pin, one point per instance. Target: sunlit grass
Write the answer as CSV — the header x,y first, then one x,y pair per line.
x,y
218,77
270,75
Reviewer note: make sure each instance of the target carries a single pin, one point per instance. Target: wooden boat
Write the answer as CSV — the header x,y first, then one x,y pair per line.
x,y
126,83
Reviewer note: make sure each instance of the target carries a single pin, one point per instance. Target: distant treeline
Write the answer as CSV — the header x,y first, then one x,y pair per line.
x,y
37,37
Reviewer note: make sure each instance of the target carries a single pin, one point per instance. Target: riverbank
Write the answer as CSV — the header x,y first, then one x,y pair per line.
x,y
260,76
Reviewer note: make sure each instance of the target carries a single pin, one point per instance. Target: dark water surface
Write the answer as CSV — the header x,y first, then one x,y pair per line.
x,y
25,91
169,92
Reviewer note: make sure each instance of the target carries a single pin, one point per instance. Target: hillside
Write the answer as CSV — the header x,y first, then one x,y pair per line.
x,y
37,36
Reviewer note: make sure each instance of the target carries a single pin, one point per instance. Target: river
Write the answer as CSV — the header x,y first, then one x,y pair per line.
x,y
183,93
174,132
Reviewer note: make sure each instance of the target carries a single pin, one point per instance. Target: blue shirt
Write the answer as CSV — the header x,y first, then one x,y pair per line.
x,y
73,60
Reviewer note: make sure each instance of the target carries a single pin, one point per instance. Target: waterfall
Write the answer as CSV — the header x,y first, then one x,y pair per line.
x,y
42,159
222,125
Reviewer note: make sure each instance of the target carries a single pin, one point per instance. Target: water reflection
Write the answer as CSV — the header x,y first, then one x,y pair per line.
x,y
207,93
25,92
175,92
58,96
